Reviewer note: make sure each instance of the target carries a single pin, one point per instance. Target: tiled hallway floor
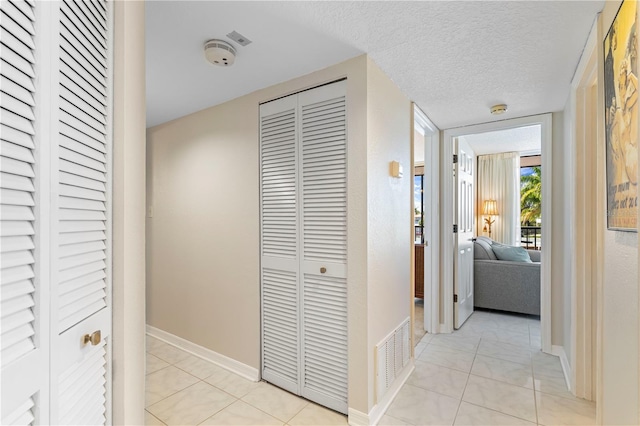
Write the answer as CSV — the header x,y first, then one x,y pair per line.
x,y
490,372
183,389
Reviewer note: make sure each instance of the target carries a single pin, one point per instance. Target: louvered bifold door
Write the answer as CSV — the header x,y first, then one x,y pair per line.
x,y
323,167
81,269
23,310
279,243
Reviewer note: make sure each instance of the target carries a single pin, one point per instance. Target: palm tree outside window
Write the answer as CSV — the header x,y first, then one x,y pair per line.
x,y
531,206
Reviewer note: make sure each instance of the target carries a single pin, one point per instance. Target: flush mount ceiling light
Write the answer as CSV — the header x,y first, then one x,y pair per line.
x,y
499,109
219,53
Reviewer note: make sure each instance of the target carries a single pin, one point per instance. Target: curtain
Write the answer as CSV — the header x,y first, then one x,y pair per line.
x,y
499,179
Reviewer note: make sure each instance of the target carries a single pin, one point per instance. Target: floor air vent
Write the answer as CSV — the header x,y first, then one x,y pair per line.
x,y
392,354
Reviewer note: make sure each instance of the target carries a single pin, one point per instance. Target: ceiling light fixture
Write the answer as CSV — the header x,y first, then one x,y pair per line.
x,y
219,53
499,109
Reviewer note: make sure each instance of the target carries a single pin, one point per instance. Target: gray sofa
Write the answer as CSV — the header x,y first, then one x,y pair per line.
x,y
505,285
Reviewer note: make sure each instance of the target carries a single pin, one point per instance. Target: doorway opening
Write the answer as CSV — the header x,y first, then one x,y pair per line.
x,y
482,138
425,226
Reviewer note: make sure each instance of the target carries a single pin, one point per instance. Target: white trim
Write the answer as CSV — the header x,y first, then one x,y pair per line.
x,y
584,210
358,418
223,361
446,225
109,203
547,231
432,171
564,361
545,121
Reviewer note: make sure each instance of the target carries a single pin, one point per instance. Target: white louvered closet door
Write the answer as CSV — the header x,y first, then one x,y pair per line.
x,y
323,167
23,293
280,243
81,216
304,246
55,202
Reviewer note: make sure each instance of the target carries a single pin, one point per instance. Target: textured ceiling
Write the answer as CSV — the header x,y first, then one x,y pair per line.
x,y
524,140
453,58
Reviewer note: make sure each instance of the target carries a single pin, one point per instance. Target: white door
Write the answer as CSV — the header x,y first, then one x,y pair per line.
x,y
24,285
81,303
56,220
323,168
304,245
464,220
279,243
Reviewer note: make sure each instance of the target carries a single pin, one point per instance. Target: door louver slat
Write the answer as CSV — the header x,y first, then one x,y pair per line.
x,y
280,330
17,100
279,210
83,389
324,181
325,342
83,164
23,415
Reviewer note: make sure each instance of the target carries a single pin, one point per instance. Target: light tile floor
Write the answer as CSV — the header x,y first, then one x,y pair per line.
x,y
490,372
182,389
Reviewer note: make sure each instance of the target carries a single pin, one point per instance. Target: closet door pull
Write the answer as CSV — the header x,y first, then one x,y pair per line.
x,y
93,338
323,270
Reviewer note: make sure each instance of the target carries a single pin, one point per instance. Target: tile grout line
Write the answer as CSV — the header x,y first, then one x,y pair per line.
x,y
168,396
467,382
500,412
149,412
271,415
535,397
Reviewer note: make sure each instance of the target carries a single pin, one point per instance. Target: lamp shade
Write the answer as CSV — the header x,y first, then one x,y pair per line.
x,y
490,208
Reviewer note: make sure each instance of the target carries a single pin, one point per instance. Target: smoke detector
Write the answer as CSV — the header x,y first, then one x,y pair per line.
x,y
219,53
498,109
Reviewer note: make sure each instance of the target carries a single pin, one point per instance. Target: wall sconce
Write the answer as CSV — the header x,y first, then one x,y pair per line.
x,y
490,208
395,169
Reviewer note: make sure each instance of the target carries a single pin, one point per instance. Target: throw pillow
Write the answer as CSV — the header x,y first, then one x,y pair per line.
x,y
514,254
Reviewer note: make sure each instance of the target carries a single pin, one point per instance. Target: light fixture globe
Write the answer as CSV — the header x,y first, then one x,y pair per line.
x,y
499,109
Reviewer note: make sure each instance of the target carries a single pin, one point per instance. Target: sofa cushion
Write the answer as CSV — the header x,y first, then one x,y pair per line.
x,y
482,249
514,254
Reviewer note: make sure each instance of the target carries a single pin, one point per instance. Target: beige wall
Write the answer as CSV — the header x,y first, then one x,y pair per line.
x,y
128,214
203,239
621,378
389,207
203,236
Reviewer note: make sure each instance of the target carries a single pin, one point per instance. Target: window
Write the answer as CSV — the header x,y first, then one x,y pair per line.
x,y
531,205
418,218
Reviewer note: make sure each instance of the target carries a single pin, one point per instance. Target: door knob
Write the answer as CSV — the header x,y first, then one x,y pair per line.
x,y
323,270
93,338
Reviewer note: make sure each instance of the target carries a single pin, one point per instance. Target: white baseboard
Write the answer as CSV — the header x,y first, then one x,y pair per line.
x,y
564,361
358,418
223,361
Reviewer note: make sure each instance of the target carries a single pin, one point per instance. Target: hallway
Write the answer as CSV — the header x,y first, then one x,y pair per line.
x,y
490,372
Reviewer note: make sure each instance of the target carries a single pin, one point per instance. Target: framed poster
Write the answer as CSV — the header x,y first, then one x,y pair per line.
x,y
621,119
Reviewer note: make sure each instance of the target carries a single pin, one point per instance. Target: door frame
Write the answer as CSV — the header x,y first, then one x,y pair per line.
x,y
587,210
431,229
544,120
